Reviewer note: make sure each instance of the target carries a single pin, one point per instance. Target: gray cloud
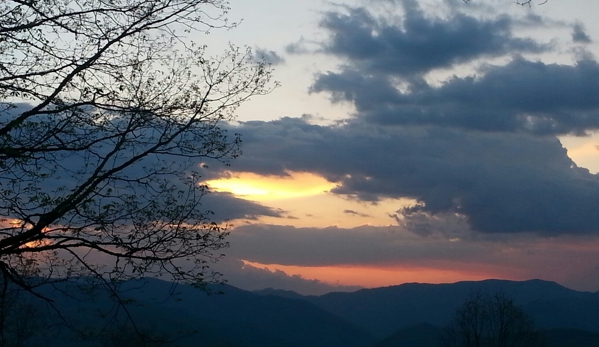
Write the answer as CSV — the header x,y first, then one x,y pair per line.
x,y
299,47
579,35
397,246
477,147
502,182
286,245
355,213
569,260
269,56
225,206
249,277
386,59
417,44
520,96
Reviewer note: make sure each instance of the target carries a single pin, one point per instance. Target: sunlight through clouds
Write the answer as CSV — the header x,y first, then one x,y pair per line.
x,y
266,188
307,199
584,151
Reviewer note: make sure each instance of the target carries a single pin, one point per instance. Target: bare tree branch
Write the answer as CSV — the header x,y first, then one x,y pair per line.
x,y
106,111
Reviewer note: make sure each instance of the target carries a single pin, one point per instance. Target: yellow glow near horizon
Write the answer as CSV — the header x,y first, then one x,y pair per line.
x,y
263,188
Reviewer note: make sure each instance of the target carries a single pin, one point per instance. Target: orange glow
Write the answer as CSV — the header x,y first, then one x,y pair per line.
x,y
15,223
372,277
19,226
265,188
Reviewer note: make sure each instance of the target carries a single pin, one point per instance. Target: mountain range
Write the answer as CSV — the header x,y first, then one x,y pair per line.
x,y
400,316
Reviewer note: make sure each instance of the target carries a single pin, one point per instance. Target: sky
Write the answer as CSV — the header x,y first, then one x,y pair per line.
x,y
414,141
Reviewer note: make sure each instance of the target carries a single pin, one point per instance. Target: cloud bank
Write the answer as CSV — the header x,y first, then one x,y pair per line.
x,y
386,62
483,146
496,191
502,182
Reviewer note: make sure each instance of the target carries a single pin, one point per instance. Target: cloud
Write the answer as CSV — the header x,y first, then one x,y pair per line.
x,y
355,213
417,44
225,206
579,35
387,61
156,178
271,57
565,259
501,182
452,226
248,277
299,47
480,146
521,96
286,245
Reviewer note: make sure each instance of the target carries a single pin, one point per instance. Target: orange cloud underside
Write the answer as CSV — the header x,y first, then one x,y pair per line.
x,y
372,277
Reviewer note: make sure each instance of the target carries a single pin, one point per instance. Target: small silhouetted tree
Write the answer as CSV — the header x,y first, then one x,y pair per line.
x,y
491,321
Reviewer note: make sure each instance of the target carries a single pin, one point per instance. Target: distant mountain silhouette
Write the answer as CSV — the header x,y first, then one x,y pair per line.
x,y
381,311
409,315
228,317
289,294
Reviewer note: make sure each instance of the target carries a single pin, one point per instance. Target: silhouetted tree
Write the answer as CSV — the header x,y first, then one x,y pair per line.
x,y
106,110
491,321
19,317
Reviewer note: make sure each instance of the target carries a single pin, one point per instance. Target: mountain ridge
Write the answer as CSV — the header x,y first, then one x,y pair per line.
x,y
404,305
271,317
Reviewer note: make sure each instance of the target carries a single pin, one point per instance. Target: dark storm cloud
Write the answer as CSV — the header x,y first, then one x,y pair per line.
x,y
579,35
502,182
386,59
520,96
417,44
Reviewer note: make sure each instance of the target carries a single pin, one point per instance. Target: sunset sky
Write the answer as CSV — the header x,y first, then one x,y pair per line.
x,y
414,141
